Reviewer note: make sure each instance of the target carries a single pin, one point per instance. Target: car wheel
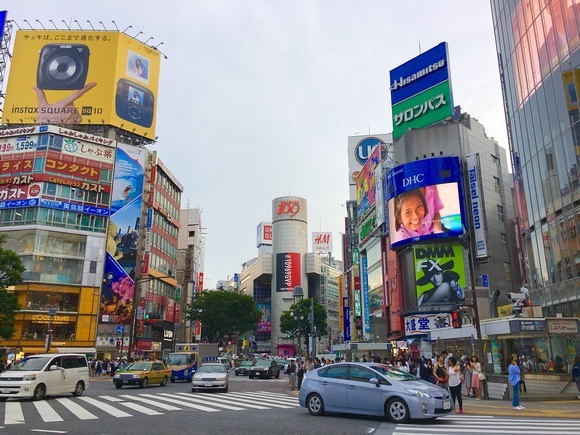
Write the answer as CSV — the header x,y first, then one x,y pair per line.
x,y
237,374
118,385
315,404
39,392
79,388
251,376
164,381
225,390
193,390
144,383
397,410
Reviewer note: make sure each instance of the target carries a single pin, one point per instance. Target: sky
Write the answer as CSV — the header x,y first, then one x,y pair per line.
x,y
257,98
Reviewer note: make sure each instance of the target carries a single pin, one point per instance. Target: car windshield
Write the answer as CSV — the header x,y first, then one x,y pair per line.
x,y
138,366
178,359
263,363
393,373
214,368
31,363
246,364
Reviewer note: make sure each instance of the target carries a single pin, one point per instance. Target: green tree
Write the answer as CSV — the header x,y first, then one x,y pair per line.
x,y
11,269
296,322
223,313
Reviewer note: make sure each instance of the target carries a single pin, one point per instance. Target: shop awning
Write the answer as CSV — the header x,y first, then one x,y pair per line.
x,y
85,350
36,349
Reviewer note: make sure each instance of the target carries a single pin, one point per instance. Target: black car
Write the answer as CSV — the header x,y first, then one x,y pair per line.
x,y
265,368
244,368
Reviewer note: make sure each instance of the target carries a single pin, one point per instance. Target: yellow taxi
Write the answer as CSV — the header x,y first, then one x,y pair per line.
x,y
143,373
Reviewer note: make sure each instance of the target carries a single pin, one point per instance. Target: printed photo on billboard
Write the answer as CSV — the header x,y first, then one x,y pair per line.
x,y
366,182
265,324
424,201
439,274
288,271
82,77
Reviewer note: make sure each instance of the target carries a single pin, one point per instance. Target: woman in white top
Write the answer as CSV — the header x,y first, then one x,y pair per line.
x,y
454,382
475,380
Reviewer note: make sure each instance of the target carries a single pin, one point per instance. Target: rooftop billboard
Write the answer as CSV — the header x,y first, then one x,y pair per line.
x,y
424,200
82,77
421,91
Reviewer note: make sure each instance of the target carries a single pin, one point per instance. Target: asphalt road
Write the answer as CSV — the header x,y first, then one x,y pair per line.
x,y
251,406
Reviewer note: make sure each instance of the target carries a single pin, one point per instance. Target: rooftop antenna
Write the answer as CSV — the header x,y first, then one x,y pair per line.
x,y
91,24
161,43
101,23
135,37
149,39
26,21
67,26
38,21
115,24
53,24
128,27
78,24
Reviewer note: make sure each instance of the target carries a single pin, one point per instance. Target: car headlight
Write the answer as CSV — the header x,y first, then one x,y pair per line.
x,y
31,377
136,376
117,376
221,379
418,393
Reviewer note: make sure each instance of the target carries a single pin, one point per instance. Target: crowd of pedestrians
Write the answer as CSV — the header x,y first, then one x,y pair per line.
x,y
105,367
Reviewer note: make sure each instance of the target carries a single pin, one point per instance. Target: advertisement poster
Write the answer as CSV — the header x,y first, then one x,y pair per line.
x,y
117,292
265,324
439,274
82,77
366,182
288,271
425,200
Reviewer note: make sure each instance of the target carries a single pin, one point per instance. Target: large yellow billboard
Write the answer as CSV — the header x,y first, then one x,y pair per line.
x,y
79,77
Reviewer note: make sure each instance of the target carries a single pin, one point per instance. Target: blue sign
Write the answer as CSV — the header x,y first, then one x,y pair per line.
x,y
419,74
365,290
120,329
60,205
363,149
485,280
149,217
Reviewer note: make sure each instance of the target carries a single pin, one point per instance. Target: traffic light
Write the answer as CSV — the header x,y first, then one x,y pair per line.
x,y
147,316
288,335
456,320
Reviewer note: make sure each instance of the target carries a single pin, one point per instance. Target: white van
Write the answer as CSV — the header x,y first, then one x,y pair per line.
x,y
37,376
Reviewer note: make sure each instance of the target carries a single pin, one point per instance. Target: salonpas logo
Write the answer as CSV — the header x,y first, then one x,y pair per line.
x,y
403,81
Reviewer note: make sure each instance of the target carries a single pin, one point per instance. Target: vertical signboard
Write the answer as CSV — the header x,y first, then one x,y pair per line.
x,y
265,324
264,234
346,319
118,289
421,91
288,273
366,182
365,290
477,204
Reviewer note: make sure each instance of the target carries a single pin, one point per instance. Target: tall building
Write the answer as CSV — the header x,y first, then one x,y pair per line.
x,y
538,45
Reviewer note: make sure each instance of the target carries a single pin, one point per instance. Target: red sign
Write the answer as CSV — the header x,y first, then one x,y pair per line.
x,y
145,268
16,166
34,190
288,207
200,280
144,344
268,232
78,184
72,168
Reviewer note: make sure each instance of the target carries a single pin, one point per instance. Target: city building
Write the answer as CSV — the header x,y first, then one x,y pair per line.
x,y
538,46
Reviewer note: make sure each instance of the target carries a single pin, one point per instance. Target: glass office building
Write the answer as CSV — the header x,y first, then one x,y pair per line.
x,y
539,60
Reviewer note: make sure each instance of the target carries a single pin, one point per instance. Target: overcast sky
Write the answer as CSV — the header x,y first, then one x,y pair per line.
x,y
258,97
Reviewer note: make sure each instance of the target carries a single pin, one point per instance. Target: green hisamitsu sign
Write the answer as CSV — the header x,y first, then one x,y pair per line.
x,y
423,109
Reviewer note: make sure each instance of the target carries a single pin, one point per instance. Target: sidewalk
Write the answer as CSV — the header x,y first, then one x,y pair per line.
x,y
565,406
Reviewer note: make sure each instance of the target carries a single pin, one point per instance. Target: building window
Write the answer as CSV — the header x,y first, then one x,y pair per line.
x,y
500,213
507,272
495,159
496,181
503,241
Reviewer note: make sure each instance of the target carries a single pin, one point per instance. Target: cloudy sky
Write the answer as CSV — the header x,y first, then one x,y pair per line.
x,y
258,97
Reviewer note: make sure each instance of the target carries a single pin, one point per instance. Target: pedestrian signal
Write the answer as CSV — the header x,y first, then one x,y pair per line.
x,y
456,320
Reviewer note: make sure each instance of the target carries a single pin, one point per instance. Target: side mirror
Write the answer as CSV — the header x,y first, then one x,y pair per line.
x,y
53,367
375,381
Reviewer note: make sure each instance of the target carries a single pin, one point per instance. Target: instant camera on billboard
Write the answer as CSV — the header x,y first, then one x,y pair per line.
x,y
421,91
82,77
424,200
439,274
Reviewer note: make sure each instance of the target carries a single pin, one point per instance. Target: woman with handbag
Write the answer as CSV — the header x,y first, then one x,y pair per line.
x,y
440,373
477,377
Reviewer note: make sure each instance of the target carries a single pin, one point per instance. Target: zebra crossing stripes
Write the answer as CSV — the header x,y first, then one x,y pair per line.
x,y
129,405
471,424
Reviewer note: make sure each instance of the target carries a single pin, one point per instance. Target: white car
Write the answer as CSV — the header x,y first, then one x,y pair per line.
x,y
37,376
210,376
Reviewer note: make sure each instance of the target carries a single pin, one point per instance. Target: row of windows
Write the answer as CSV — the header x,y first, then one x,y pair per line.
x,y
164,245
59,191
105,175
164,224
58,218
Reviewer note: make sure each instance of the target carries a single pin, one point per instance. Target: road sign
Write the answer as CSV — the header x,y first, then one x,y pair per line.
x,y
120,329
485,280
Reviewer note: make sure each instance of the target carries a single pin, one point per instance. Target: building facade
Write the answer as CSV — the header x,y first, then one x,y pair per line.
x,y
538,44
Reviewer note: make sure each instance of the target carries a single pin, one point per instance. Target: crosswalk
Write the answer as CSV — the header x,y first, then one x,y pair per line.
x,y
481,425
130,405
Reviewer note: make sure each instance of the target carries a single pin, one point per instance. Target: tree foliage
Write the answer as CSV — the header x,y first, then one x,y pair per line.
x,y
297,321
223,313
11,269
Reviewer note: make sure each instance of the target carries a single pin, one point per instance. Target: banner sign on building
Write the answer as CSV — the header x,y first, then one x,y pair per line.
x,y
118,289
421,91
322,242
264,234
366,183
417,324
52,66
346,320
288,271
477,204
424,200
265,324
439,274
365,291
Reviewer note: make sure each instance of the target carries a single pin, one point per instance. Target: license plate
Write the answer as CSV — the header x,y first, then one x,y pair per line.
x,y
125,382
446,405
208,384
5,391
